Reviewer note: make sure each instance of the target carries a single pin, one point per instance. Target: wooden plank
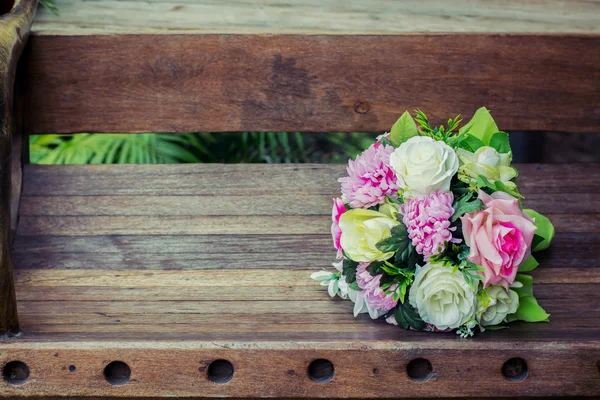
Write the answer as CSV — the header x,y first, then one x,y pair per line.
x,y
258,179
222,225
196,252
80,17
281,277
361,370
315,83
261,204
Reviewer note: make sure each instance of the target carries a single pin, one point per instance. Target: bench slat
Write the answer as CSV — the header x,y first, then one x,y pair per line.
x,y
314,83
108,275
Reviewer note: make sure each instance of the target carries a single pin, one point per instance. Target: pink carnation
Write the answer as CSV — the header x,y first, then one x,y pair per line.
x,y
370,177
371,289
336,233
427,220
499,237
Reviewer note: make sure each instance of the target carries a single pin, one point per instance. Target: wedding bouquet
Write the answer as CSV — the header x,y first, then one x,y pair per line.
x,y
430,231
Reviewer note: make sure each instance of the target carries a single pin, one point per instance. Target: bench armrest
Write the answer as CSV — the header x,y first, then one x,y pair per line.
x,y
14,31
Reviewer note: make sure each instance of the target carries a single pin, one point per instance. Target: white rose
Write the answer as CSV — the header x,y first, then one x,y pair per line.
x,y
424,165
442,297
362,230
488,162
493,308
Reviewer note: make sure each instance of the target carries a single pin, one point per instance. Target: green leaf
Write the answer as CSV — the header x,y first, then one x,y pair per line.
x,y
527,288
385,141
349,270
529,311
398,241
471,143
529,265
500,142
407,316
545,230
465,205
403,129
482,126
495,327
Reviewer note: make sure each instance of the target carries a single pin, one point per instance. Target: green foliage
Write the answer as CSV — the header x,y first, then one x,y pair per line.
x,y
401,277
482,126
455,257
497,186
407,317
529,265
349,270
397,242
465,204
446,134
403,129
470,143
529,310
50,5
143,148
544,232
500,142
246,147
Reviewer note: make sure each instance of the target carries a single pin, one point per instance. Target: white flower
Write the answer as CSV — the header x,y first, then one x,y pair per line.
x,y
442,297
488,162
424,165
493,308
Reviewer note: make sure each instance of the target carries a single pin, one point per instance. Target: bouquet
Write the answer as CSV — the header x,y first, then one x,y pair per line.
x,y
430,231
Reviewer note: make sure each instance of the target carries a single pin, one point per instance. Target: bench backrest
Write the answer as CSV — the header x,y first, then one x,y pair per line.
x,y
308,83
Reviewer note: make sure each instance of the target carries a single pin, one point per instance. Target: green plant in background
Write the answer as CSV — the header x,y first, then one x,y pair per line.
x,y
145,148
50,5
163,148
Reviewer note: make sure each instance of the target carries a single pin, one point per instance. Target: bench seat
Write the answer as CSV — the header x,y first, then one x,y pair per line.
x,y
168,267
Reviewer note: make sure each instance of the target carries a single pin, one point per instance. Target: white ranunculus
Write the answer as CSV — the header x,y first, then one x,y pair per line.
x,y
498,303
488,162
362,230
423,165
442,297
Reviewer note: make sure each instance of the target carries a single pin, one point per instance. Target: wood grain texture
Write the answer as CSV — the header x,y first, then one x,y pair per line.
x,y
181,83
361,369
81,17
14,31
106,270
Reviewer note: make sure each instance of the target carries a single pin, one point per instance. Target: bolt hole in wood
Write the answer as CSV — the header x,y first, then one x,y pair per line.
x,y
515,369
117,373
419,370
321,370
220,371
15,373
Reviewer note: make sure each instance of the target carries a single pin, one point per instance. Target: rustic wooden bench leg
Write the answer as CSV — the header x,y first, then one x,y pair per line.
x,y
14,30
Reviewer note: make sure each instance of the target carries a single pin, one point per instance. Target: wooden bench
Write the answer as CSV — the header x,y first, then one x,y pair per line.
x,y
132,280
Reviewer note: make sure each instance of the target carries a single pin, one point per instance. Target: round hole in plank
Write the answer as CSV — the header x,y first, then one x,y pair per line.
x,y
220,371
16,373
515,369
321,370
117,373
419,370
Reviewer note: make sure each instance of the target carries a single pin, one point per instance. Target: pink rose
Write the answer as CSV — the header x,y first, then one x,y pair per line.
x,y
499,237
336,233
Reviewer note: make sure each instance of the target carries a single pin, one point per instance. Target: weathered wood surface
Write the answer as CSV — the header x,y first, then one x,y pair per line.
x,y
135,288
180,83
81,17
14,31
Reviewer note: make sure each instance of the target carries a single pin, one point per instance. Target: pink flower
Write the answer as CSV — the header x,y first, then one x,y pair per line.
x,y
499,237
370,178
371,289
427,220
336,233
